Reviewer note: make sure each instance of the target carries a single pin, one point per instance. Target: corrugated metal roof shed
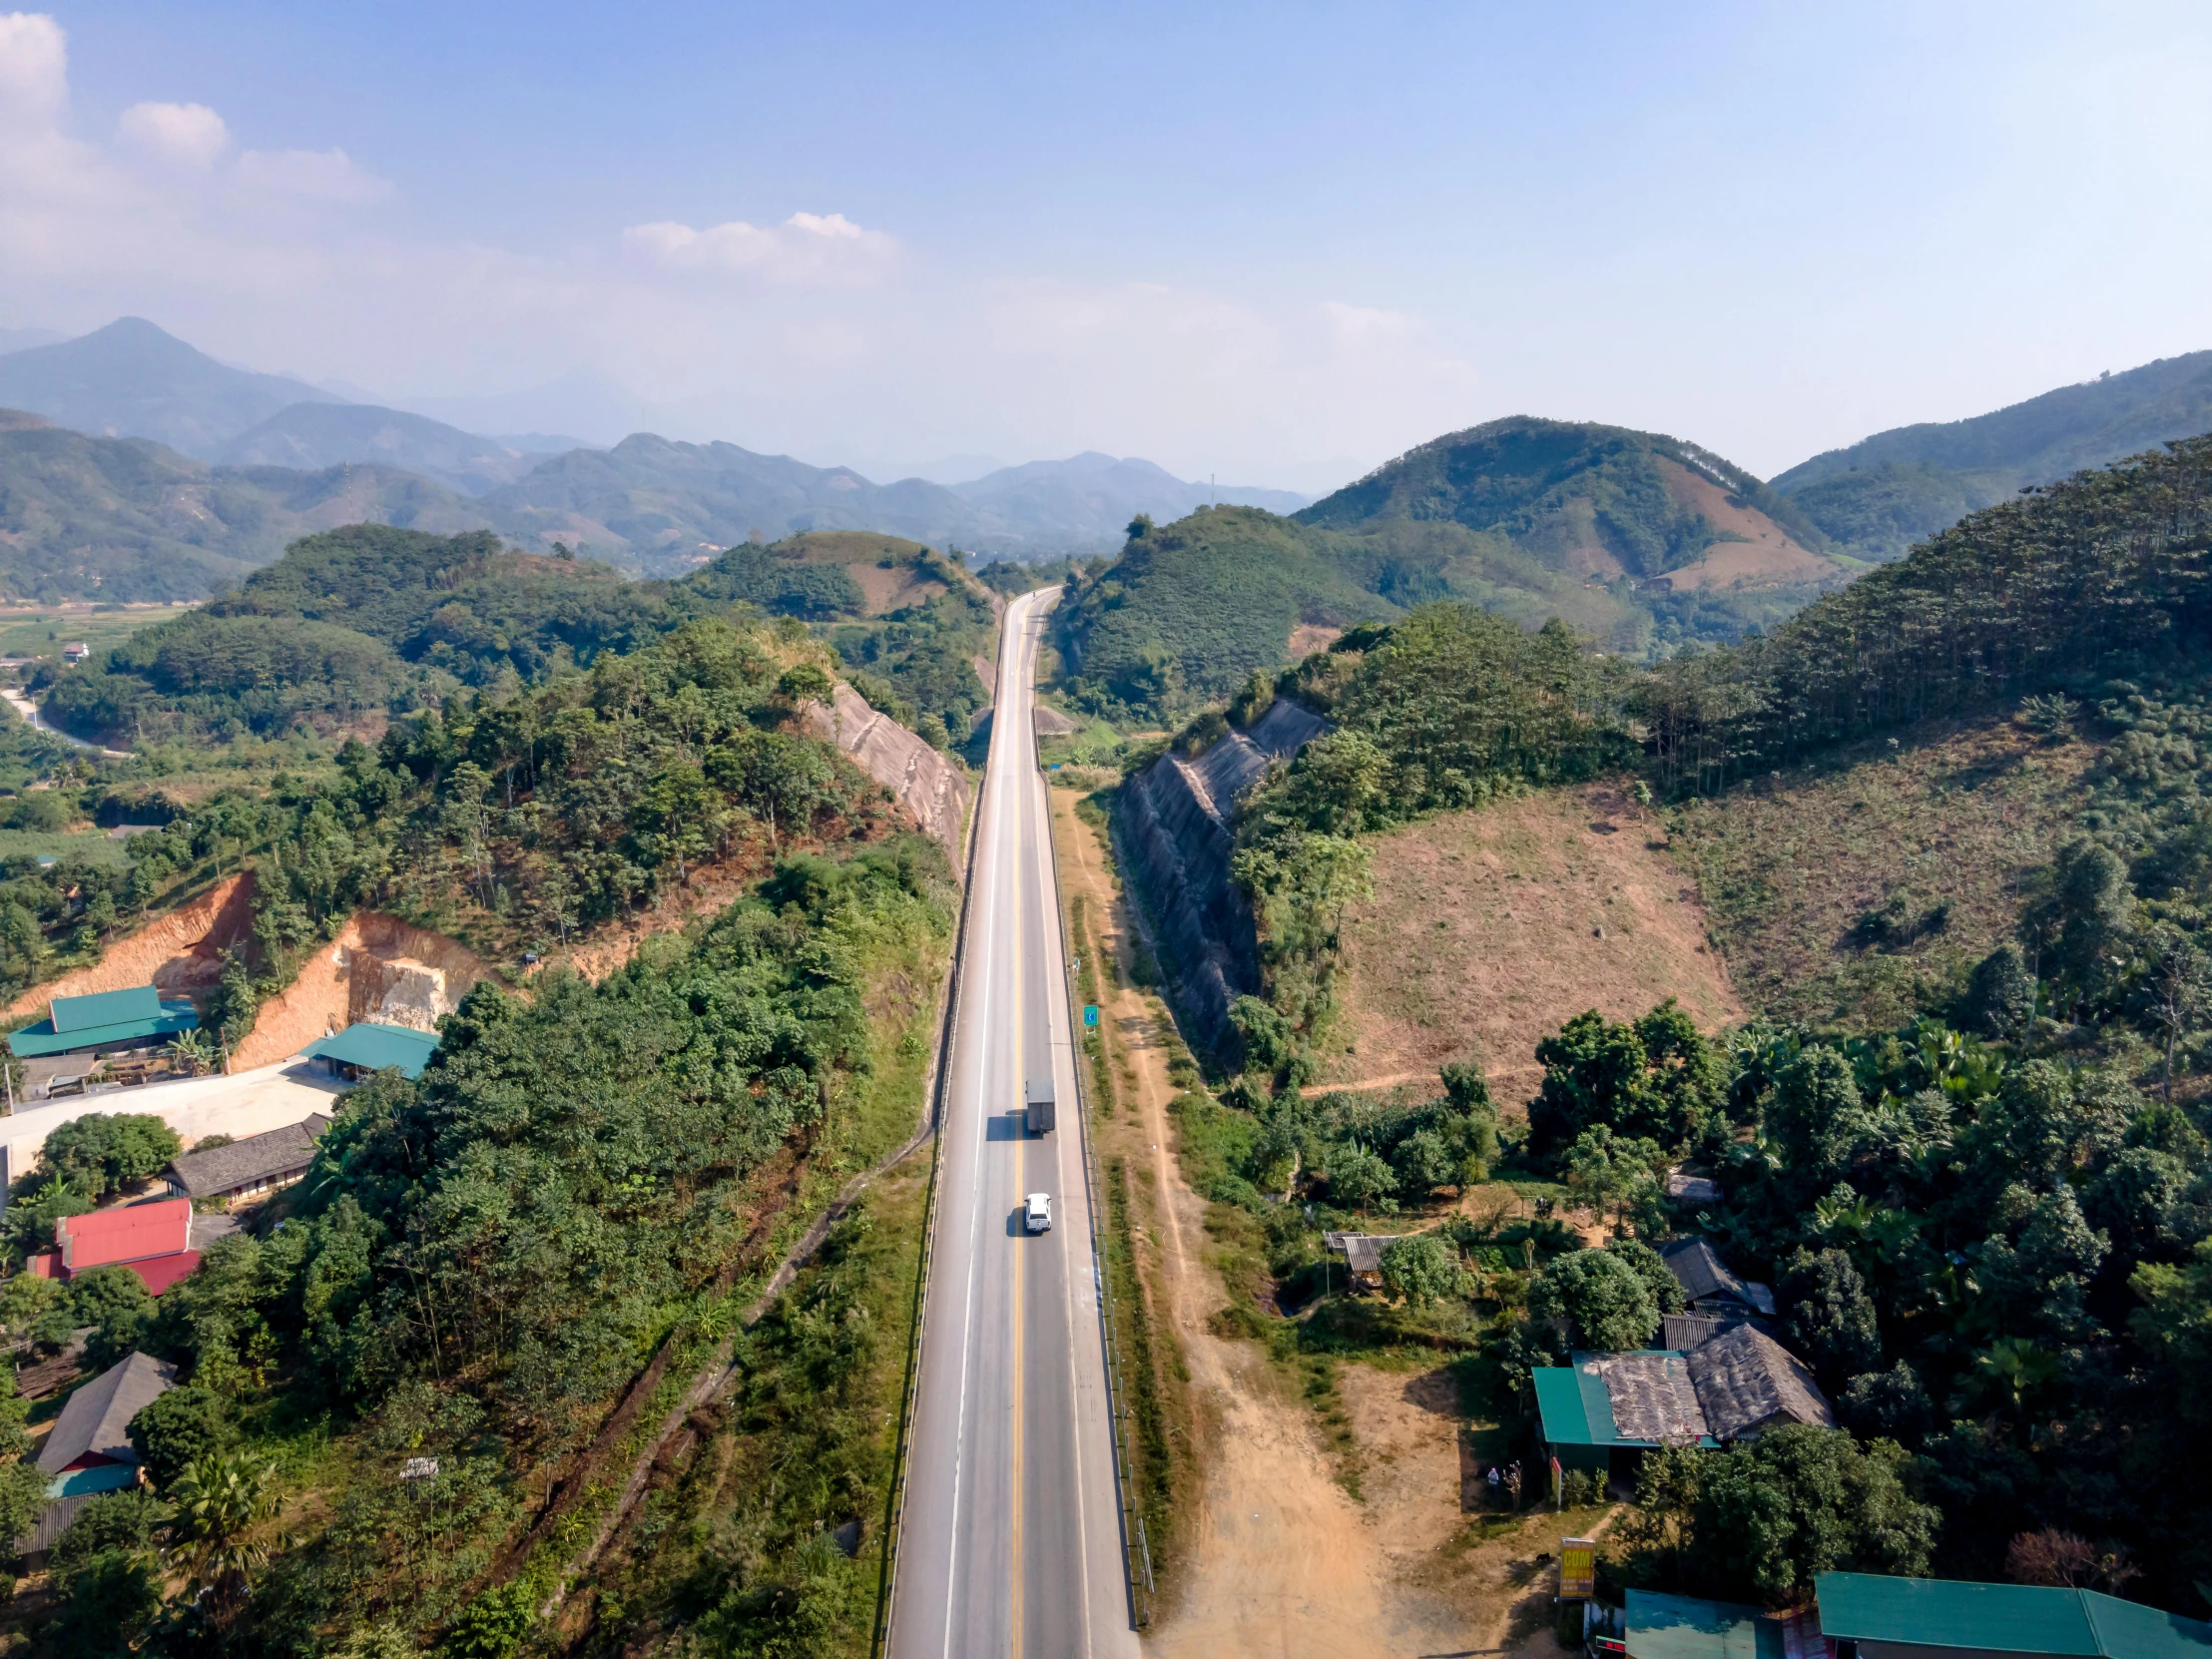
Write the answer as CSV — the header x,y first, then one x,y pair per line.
x,y
372,1047
1939,1613
1685,1627
167,1019
82,1013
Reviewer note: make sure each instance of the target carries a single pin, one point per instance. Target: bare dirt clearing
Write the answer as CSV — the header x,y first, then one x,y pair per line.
x,y
1489,928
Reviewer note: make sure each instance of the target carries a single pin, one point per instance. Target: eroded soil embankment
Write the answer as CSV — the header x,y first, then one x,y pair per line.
x,y
178,951
378,968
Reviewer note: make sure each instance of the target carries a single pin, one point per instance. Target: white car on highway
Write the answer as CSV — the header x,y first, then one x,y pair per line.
x,y
1036,1215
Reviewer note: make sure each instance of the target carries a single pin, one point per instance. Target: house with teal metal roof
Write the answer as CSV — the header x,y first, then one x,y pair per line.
x,y
1873,1617
368,1047
104,1020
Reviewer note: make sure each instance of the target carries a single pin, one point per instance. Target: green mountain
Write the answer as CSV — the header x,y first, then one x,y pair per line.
x,y
130,380
126,520
1191,609
1641,541
313,436
1880,495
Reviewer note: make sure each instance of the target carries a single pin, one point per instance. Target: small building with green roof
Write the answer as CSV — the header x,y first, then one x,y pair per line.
x,y
1940,1618
103,1022
360,1050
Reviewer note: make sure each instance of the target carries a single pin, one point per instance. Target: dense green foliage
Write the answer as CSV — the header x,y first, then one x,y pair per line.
x,y
1881,512
355,625
480,1260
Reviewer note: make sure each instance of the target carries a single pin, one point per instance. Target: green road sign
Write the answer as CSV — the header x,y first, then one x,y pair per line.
x,y
1090,1013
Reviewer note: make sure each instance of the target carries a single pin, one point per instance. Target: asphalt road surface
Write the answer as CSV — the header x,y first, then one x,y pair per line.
x,y
1011,1539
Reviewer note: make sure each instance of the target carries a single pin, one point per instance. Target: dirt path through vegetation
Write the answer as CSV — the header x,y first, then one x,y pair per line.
x,y
1279,1559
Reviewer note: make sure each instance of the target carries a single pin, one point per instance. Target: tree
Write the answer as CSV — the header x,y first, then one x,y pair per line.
x,y
1423,1162
1801,1500
2178,989
1652,1268
104,1153
1889,1406
2000,994
1358,1177
178,1429
115,1301
223,1506
1828,1315
1421,1270
110,1599
1601,1300
494,1625
1655,1079
1616,1174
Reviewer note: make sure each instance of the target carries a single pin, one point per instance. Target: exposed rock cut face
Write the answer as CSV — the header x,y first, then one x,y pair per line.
x,y
933,788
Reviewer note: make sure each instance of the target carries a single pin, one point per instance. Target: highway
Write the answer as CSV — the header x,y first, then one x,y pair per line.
x,y
1010,1541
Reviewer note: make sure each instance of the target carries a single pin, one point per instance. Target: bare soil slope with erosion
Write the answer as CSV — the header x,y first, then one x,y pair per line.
x,y
378,968
1489,928
180,951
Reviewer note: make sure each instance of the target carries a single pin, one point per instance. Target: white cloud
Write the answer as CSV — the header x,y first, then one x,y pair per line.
x,y
1357,326
309,176
806,246
189,135
34,59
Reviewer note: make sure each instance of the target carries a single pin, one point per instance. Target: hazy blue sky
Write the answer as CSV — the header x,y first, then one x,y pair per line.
x,y
1278,243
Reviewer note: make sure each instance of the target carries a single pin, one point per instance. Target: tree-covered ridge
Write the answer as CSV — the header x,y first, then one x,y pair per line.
x,y
1523,478
1192,609
369,620
2071,581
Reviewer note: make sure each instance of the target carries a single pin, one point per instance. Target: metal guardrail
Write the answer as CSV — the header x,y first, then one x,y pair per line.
x,y
886,1589
1136,1549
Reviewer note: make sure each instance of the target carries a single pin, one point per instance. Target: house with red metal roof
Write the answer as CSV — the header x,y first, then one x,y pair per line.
x,y
152,1240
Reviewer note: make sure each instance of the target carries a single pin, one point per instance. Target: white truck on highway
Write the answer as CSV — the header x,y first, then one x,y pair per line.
x,y
1037,1104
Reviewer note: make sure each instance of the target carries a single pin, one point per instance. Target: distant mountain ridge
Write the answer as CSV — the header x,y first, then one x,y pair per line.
x,y
1880,495
652,505
130,380
311,436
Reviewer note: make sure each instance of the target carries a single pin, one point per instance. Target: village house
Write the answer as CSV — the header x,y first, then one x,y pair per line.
x,y
245,1169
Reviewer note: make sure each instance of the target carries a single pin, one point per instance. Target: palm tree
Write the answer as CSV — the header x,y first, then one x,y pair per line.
x,y
221,1503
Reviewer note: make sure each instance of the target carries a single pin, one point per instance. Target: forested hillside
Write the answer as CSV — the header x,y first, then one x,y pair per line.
x,y
1880,495
124,519
355,625
1191,609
